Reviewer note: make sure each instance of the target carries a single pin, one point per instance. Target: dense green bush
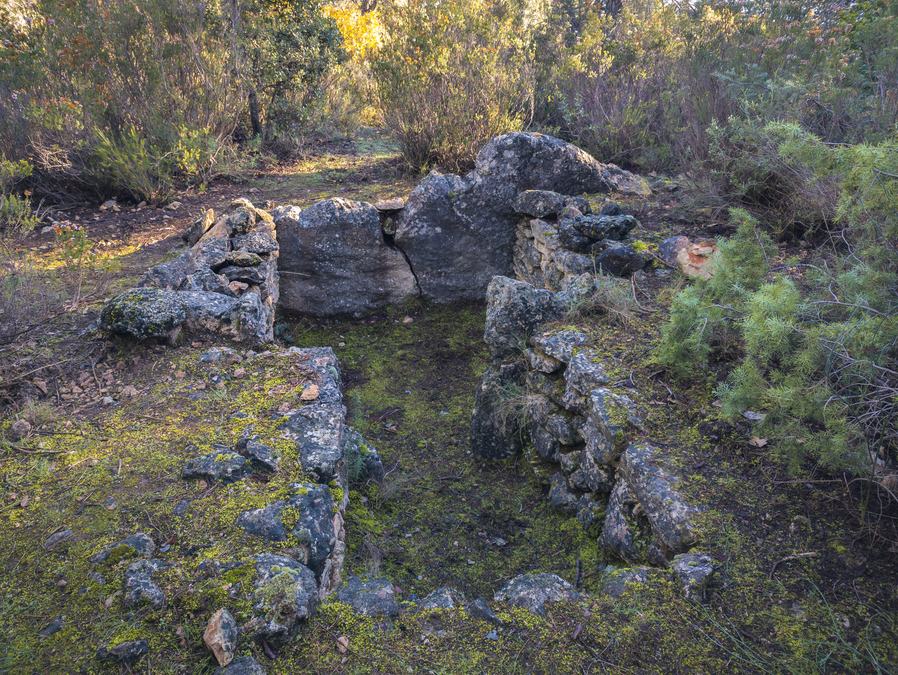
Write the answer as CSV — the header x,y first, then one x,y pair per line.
x,y
452,74
131,97
816,342
642,87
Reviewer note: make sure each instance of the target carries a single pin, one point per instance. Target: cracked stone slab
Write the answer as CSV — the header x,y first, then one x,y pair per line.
x,y
318,430
670,515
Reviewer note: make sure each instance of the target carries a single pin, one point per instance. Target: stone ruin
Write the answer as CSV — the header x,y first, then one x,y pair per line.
x,y
518,211
557,400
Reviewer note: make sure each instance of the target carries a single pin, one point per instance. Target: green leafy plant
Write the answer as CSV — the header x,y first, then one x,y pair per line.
x,y
815,344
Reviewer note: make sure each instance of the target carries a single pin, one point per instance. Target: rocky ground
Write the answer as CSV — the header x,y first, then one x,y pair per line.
x,y
105,542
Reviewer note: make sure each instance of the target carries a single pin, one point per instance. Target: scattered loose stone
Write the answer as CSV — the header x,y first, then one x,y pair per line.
x,y
58,539
617,579
480,609
695,571
139,587
243,665
374,597
53,627
261,455
19,430
138,544
127,653
285,594
221,464
443,598
533,591
220,636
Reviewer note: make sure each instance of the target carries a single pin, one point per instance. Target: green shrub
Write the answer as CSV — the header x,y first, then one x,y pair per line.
x,y
816,343
16,212
133,97
451,75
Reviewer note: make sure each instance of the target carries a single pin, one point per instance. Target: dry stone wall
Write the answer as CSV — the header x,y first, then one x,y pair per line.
x,y
547,392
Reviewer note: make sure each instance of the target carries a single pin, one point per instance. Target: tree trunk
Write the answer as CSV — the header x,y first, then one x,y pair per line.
x,y
254,113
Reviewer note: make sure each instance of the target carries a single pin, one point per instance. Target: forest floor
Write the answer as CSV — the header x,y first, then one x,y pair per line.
x,y
807,567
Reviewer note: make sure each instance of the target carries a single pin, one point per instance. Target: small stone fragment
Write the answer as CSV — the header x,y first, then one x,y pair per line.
x,y
695,571
57,539
533,591
443,598
127,653
220,636
19,430
243,665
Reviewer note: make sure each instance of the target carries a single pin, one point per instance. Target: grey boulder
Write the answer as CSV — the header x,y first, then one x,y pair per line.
x,y
285,594
374,597
533,591
334,260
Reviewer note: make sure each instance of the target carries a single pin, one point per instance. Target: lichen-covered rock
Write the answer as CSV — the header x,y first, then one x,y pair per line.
x,y
616,580
242,665
533,591
334,260
589,476
144,313
560,344
218,286
138,544
584,373
621,532
514,310
220,636
221,464
285,594
260,455
495,426
443,598
608,419
547,204
158,314
542,363
459,232
139,587
318,431
694,571
561,496
620,260
374,597
127,653
310,511
443,231
669,514
323,363
601,227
